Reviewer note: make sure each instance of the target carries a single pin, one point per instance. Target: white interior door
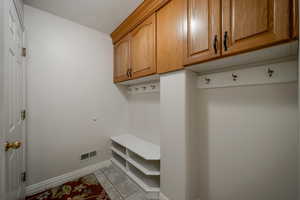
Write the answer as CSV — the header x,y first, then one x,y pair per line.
x,y
14,98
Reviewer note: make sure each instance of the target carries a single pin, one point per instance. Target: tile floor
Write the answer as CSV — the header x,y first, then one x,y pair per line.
x,y
118,185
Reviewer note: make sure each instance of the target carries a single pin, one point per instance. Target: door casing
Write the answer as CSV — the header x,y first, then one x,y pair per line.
x,y
2,180
13,81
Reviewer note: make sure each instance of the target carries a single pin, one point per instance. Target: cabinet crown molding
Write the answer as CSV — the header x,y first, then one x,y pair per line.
x,y
146,9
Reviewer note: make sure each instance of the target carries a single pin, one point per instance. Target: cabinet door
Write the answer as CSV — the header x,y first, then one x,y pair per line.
x,y
170,34
203,41
143,48
295,10
253,24
122,60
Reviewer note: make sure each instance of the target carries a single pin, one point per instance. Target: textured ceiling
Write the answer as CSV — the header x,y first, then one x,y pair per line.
x,y
103,15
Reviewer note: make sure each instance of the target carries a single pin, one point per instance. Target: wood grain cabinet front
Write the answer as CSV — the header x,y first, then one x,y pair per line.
x,y
170,36
203,40
253,24
122,59
143,48
185,32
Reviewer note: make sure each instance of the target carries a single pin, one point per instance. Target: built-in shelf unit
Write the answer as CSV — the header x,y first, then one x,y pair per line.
x,y
140,160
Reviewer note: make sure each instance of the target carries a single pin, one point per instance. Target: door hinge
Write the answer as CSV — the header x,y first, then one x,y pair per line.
x,y
24,52
23,115
23,177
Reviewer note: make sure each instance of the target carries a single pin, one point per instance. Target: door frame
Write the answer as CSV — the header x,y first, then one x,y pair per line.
x,y
24,107
2,164
4,4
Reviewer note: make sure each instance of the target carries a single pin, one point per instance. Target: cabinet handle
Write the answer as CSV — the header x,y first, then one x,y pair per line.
x,y
216,44
225,41
128,75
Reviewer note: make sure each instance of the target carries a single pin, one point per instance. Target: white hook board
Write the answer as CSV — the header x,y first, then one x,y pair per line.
x,y
143,88
267,74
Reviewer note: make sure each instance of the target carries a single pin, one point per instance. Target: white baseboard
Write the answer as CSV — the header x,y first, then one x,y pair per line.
x,y
56,181
162,197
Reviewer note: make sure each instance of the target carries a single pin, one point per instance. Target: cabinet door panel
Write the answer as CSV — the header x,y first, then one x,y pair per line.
x,y
203,31
144,48
122,59
252,24
170,35
248,22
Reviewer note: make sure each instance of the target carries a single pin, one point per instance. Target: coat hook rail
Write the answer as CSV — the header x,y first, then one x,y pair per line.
x,y
143,88
267,74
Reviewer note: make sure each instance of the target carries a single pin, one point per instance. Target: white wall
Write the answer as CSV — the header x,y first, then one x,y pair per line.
x,y
173,135
177,133
248,142
144,116
69,84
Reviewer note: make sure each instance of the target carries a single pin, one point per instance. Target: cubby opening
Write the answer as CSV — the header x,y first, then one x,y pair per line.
x,y
150,181
151,165
121,161
118,147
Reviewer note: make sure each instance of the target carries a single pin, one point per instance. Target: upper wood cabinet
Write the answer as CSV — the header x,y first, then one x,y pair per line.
x,y
143,48
122,60
203,41
170,35
165,35
252,24
140,14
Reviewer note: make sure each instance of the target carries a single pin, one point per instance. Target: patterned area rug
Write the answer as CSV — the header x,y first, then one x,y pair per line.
x,y
85,188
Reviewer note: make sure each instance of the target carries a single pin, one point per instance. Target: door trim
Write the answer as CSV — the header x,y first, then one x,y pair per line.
x,y
2,160
6,5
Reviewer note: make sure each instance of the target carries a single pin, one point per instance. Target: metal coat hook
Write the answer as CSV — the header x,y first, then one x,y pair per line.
x,y
234,77
207,80
144,87
136,89
270,72
153,87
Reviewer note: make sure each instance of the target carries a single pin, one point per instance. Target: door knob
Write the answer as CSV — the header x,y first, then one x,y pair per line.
x,y
13,145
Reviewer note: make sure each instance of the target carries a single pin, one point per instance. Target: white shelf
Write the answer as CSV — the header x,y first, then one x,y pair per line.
x,y
118,152
140,160
136,164
145,187
146,150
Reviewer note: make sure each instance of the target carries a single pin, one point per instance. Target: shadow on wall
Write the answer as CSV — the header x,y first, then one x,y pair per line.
x,y
122,90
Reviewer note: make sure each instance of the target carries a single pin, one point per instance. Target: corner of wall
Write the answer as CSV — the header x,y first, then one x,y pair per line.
x,y
178,96
192,136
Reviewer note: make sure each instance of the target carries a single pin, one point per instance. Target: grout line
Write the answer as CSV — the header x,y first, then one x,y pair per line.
x,y
113,186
